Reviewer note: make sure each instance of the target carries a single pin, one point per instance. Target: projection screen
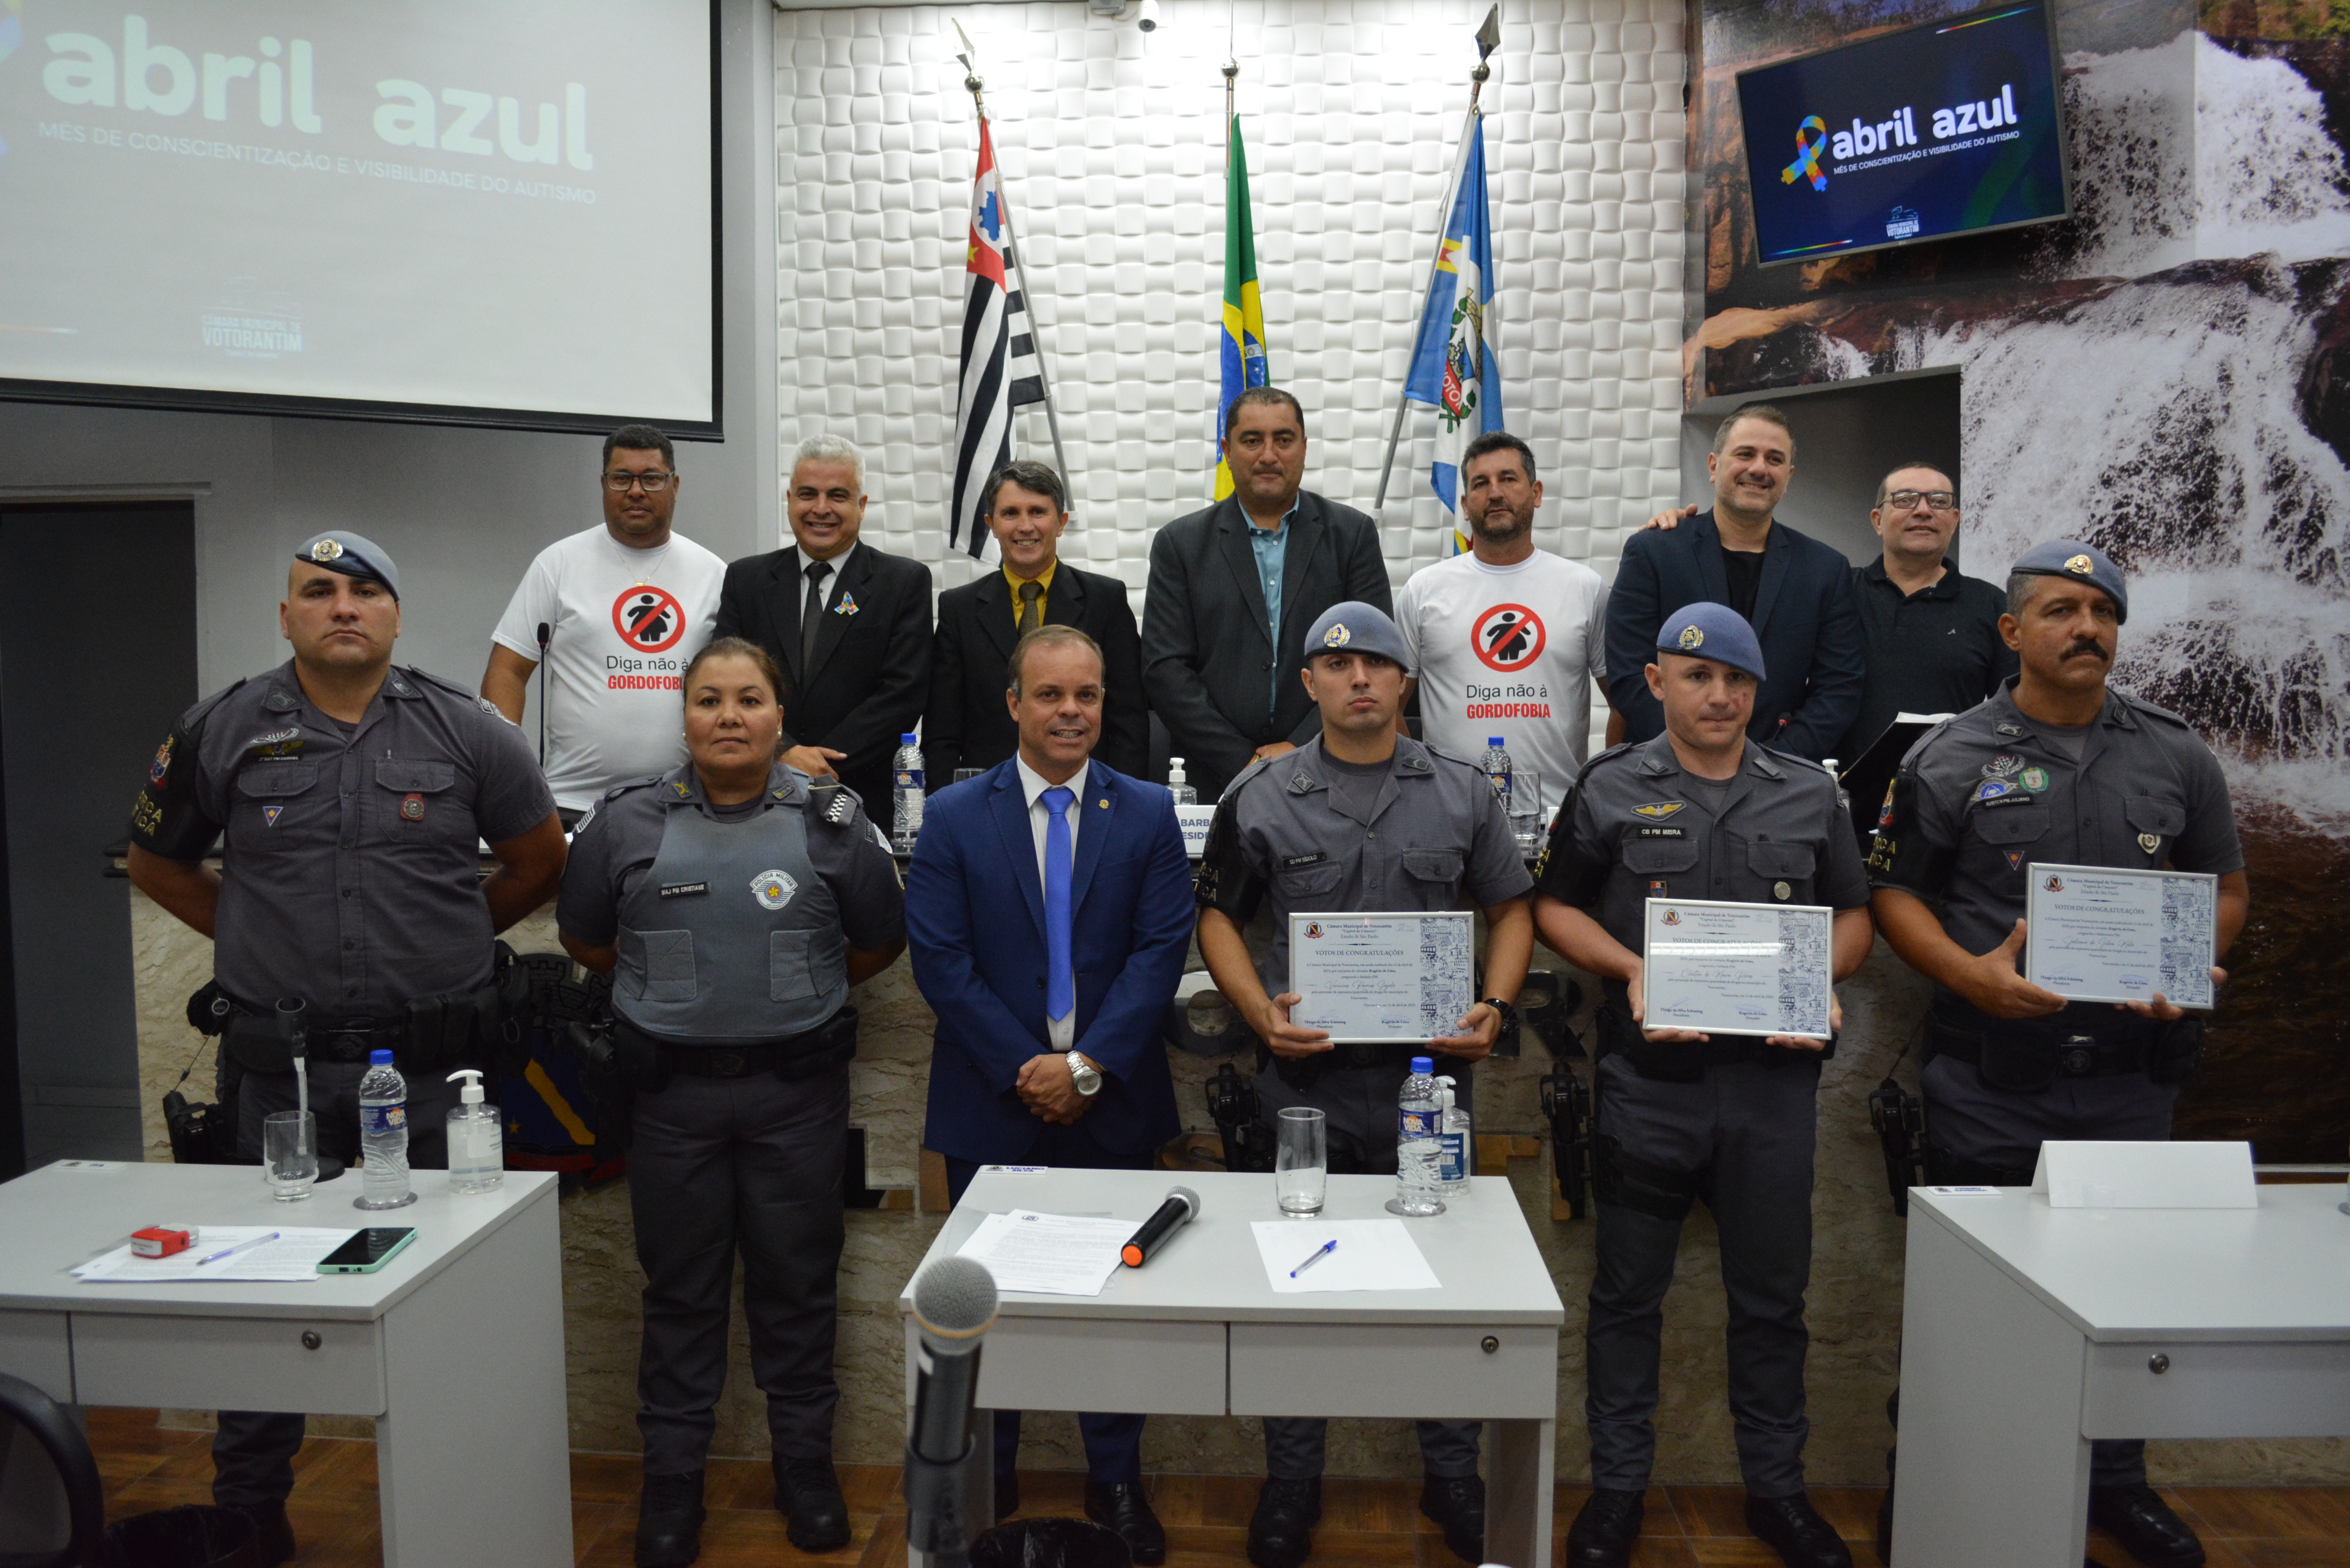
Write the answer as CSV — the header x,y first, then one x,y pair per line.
x,y
479,212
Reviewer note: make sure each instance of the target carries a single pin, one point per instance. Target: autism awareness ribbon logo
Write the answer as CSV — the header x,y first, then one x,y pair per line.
x,y
1808,154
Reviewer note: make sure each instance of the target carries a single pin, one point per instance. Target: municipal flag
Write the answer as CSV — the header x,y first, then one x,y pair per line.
x,y
1241,339
1001,370
1455,366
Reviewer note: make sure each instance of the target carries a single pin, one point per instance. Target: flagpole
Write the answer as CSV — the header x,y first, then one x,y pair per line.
x,y
1487,37
975,84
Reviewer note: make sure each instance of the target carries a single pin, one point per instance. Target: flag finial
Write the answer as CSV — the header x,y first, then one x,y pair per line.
x,y
1489,39
969,55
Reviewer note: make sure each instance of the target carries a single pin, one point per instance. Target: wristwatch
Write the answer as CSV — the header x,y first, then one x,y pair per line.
x,y
1084,1075
1507,1012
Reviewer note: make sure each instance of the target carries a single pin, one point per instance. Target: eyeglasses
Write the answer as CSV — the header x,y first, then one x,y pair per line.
x,y
654,483
1940,500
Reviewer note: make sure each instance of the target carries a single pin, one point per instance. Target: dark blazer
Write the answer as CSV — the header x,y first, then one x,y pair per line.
x,y
1207,662
1805,616
872,668
975,928
966,725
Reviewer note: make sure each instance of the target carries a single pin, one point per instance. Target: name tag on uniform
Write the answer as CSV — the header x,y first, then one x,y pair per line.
x,y
680,889
1661,832
1291,862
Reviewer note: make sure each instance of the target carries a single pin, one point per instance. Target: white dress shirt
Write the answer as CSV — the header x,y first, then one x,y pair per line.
x,y
1061,1031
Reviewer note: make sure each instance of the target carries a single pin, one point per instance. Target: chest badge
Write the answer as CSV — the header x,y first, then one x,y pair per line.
x,y
2034,778
2014,860
1655,888
2003,766
847,605
2149,842
1657,811
774,889
411,807
270,814
1992,789
1782,891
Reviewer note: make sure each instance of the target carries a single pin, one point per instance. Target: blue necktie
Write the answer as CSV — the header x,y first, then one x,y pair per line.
x,y
1060,982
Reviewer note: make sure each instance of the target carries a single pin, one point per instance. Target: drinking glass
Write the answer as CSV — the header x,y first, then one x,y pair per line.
x,y
1525,810
289,1154
1301,1161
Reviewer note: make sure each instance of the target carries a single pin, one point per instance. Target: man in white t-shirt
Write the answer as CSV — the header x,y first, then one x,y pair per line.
x,y
1507,641
615,613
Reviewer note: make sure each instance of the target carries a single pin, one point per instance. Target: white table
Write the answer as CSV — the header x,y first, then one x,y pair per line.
x,y
2027,1331
455,1346
1197,1331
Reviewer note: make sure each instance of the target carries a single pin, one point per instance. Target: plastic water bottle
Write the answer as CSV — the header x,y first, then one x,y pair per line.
x,y
906,796
1178,785
1456,1146
1418,1148
1497,769
383,1135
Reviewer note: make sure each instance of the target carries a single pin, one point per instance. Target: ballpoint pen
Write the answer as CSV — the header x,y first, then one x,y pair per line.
x,y
241,1247
1320,1253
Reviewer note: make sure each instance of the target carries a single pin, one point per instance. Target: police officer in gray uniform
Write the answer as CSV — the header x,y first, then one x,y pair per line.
x,y
735,903
350,799
1360,818
2057,768
1699,811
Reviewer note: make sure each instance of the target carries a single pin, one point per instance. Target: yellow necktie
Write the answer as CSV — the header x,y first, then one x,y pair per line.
x,y
1032,594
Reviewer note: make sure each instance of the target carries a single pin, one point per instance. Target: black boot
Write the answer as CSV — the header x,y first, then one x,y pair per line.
x,y
1885,1513
1121,1506
1794,1529
807,1494
1281,1531
1458,1503
668,1521
2138,1518
1606,1530
273,1537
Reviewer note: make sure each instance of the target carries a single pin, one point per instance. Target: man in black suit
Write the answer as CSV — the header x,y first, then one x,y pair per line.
x,y
849,627
966,725
1234,589
1795,592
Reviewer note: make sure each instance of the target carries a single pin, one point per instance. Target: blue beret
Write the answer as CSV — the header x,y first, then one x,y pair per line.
x,y
1707,631
352,554
1354,627
2082,564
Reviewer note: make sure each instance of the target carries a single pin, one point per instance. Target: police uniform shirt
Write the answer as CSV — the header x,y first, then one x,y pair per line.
x,y
1432,831
1638,827
350,871
1982,796
615,844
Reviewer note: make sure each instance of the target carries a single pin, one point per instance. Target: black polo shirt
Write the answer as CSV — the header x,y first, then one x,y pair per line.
x,y
1936,650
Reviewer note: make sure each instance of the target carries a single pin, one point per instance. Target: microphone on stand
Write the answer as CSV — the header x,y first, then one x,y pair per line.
x,y
954,1303
546,635
1181,1206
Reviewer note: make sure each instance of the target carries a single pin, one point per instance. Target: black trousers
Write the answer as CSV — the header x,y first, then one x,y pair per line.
x,y
252,1452
721,1165
1741,1139
1113,1440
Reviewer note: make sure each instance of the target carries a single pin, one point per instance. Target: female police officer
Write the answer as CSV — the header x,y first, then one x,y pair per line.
x,y
735,905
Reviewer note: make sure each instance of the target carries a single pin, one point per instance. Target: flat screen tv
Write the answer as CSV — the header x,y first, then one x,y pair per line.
x,y
1953,127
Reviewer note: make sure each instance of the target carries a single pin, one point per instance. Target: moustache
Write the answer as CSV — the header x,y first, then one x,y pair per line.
x,y
2092,648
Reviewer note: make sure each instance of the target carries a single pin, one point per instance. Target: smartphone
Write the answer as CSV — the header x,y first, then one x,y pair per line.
x,y
368,1251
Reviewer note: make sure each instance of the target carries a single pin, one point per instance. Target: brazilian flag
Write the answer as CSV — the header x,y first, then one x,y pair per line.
x,y
1241,341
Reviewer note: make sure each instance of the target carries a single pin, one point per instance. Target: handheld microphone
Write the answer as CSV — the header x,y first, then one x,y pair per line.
x,y
954,1303
1183,1206
546,635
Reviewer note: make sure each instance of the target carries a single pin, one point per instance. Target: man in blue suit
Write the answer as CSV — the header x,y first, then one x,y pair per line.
x,y
1795,591
1048,911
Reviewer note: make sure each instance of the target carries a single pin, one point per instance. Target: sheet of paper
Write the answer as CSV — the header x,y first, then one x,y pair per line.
x,y
292,1258
1381,977
1738,968
1371,1255
1048,1254
2097,934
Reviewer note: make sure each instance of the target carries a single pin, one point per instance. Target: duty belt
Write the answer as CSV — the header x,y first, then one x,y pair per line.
x,y
725,1062
2077,1056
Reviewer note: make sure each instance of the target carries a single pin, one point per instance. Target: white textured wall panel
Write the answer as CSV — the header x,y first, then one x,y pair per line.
x,y
1113,166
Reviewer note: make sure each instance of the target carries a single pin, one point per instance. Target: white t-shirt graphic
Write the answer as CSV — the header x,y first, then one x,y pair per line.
x,y
624,622
1511,651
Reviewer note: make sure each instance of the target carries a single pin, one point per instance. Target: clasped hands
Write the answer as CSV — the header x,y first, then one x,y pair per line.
x,y
1049,1090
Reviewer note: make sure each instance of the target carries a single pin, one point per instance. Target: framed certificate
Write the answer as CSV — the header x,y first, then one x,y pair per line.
x,y
1736,969
1382,979
2097,933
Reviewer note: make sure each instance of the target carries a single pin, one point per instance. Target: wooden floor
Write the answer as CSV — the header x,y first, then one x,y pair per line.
x,y
1365,1524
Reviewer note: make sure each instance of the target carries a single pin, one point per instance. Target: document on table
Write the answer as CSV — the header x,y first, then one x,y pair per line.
x,y
2100,934
1048,1254
1381,978
1736,969
1371,1255
291,1259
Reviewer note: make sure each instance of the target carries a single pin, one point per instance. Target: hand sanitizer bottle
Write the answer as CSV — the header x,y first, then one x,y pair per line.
x,y
1178,784
477,1145
1455,1146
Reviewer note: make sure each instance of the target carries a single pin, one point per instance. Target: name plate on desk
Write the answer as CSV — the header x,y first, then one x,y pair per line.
x,y
1194,820
1382,979
2090,1174
2099,934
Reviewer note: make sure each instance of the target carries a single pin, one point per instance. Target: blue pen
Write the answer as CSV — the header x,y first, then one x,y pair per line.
x,y
249,1245
1320,1253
